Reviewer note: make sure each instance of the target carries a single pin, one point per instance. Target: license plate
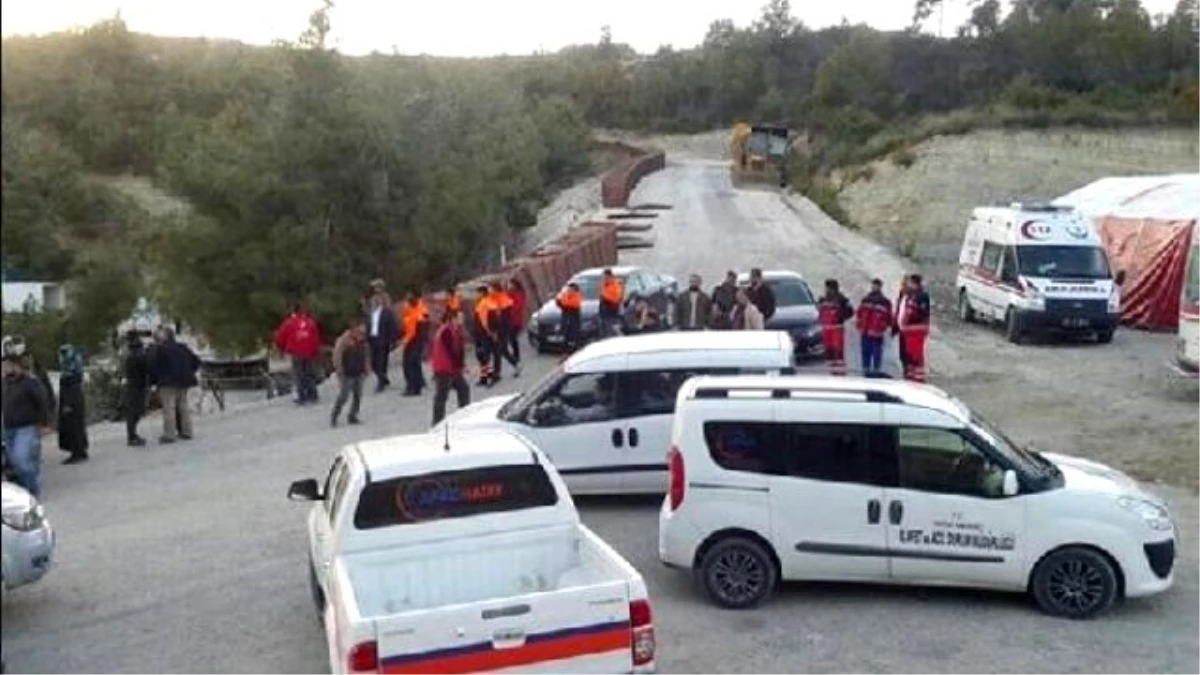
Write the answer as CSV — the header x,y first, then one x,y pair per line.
x,y
1075,323
554,338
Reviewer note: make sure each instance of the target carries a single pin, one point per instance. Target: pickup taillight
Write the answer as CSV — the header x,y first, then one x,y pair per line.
x,y
363,658
675,464
641,622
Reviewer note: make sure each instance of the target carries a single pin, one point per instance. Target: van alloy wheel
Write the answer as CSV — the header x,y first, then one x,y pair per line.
x,y
738,573
1076,583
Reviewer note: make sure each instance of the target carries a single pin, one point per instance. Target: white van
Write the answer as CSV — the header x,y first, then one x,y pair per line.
x,y
603,417
1037,268
851,479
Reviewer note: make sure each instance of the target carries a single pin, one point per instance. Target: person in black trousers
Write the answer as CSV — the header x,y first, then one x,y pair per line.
x,y
383,330
137,379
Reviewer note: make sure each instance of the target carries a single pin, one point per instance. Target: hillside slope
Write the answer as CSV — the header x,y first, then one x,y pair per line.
x,y
921,211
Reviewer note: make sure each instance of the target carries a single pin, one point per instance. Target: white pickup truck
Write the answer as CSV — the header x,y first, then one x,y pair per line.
x,y
430,556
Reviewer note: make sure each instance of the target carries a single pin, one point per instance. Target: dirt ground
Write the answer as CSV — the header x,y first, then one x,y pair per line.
x,y
1116,403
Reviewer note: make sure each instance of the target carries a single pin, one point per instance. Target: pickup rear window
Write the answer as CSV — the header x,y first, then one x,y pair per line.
x,y
453,494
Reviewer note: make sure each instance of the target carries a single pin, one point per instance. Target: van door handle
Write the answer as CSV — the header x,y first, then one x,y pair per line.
x,y
895,512
633,438
873,511
617,438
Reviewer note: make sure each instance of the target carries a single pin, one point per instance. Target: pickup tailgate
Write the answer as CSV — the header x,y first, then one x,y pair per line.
x,y
584,629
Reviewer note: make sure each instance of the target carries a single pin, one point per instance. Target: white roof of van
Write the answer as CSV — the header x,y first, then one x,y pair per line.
x,y
406,455
910,393
675,341
1170,197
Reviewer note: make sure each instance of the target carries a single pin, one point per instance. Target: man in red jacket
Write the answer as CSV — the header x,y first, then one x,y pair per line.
x,y
912,323
834,311
299,337
449,357
873,321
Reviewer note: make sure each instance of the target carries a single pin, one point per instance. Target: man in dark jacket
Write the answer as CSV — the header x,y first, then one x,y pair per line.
x,y
693,307
137,379
383,331
761,294
724,298
351,360
175,372
26,418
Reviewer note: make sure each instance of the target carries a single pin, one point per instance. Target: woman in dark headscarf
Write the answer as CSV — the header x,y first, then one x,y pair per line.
x,y
72,421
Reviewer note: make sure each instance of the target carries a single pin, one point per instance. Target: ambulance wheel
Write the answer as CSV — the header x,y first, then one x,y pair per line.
x,y
1104,337
965,312
738,573
1075,583
1012,327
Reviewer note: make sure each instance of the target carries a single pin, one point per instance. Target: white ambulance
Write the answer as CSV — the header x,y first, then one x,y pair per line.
x,y
1037,268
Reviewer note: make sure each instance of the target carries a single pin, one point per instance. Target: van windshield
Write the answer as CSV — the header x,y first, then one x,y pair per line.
x,y
516,409
1063,262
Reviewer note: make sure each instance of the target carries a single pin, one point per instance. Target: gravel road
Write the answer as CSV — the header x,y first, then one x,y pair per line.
x,y
188,558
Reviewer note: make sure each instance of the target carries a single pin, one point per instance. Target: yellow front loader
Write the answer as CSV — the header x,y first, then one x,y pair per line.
x,y
759,154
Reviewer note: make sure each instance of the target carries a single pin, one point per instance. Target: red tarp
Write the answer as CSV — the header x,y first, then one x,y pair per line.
x,y
1154,255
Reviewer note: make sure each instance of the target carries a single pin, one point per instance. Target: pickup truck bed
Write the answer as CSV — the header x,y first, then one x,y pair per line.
x,y
499,565
523,599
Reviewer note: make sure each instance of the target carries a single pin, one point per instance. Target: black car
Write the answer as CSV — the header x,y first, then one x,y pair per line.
x,y
795,311
659,290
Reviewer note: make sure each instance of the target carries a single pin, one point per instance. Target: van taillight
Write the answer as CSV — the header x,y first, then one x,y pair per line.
x,y
641,623
363,658
675,463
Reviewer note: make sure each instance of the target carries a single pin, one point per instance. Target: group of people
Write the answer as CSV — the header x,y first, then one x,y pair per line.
x,y
728,307
876,317
32,407
494,319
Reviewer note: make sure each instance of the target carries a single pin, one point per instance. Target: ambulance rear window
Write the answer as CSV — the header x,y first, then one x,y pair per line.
x,y
453,494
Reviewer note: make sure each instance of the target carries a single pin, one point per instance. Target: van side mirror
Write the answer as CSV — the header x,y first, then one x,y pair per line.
x,y
305,490
1120,278
1011,487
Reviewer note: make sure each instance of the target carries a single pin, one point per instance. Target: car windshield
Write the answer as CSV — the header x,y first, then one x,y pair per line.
x,y
1059,262
789,292
589,286
515,409
1005,445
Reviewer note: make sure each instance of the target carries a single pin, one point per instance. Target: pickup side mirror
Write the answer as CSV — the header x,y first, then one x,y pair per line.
x,y
305,490
1120,278
1011,487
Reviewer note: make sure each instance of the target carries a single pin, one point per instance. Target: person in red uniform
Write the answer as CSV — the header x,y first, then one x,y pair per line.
x,y
449,357
912,323
516,293
873,319
300,338
834,311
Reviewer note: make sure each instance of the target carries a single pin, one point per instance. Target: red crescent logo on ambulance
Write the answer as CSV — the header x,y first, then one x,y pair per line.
x,y
1032,229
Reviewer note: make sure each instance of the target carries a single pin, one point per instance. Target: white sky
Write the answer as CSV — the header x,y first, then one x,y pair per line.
x,y
460,27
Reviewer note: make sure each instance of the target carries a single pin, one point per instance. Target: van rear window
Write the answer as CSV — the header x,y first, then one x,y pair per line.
x,y
453,494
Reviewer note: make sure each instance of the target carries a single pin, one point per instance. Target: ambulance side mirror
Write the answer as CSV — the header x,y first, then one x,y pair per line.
x,y
1011,487
1120,278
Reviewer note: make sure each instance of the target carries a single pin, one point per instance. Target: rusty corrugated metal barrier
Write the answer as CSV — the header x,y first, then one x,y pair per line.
x,y
618,182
